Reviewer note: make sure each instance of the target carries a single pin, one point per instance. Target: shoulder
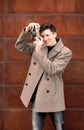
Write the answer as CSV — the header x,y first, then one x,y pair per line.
x,y
65,48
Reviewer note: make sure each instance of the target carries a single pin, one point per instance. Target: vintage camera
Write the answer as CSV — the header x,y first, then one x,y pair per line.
x,y
34,32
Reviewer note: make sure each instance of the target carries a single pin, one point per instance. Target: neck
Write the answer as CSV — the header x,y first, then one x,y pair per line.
x,y
53,44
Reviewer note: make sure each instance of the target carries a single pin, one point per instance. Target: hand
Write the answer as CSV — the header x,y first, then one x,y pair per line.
x,y
31,26
38,42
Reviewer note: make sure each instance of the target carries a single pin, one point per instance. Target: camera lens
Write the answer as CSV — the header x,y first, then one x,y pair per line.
x,y
33,32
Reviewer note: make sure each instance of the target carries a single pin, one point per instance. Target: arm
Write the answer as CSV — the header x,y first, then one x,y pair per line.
x,y
58,65
22,45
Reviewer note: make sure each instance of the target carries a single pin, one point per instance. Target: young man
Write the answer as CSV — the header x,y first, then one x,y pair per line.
x,y
44,83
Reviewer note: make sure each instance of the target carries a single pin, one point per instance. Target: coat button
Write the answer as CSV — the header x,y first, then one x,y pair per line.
x,y
26,84
29,73
47,79
47,91
34,63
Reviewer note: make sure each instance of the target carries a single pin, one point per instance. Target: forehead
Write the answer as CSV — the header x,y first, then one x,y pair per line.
x,y
47,31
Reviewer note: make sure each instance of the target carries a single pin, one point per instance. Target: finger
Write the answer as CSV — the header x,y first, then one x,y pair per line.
x,y
37,39
31,26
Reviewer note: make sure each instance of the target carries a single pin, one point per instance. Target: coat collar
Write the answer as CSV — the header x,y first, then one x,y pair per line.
x,y
56,49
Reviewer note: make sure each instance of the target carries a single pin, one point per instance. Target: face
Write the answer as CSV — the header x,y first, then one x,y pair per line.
x,y
48,37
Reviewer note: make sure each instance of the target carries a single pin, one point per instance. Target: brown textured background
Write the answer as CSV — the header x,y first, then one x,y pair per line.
x,y
68,16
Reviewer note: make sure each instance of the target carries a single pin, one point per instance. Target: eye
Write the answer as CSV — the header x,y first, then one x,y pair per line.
x,y
47,35
42,36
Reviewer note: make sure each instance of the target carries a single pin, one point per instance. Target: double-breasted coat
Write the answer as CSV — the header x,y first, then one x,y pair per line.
x,y
49,67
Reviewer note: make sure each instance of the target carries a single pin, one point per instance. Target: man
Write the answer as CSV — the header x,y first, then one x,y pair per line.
x,y
44,83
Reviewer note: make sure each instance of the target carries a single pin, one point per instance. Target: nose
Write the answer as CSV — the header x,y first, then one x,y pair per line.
x,y
45,38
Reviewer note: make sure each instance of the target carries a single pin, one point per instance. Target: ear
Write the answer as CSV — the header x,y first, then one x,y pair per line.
x,y
55,34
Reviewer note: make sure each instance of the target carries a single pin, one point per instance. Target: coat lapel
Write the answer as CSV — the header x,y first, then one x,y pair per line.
x,y
44,49
56,49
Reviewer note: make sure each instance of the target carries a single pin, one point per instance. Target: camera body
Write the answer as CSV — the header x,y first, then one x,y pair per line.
x,y
34,32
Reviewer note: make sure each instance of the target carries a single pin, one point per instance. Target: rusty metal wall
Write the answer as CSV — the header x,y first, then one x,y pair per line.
x,y
68,16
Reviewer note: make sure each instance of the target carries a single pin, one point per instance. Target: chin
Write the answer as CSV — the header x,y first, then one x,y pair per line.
x,y
47,44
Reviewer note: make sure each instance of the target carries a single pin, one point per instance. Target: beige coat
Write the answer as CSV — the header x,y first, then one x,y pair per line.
x,y
50,94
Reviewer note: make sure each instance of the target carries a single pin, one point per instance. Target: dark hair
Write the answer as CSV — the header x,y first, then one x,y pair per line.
x,y
46,26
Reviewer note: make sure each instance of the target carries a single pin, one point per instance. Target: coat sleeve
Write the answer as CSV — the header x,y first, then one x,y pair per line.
x,y
58,65
22,44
